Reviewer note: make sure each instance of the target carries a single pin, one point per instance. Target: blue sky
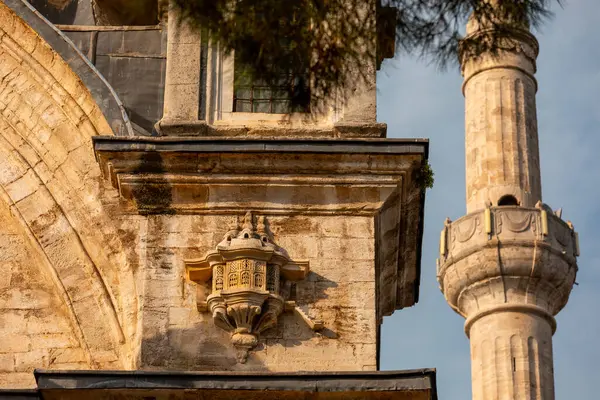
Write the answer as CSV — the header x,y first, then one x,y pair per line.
x,y
416,100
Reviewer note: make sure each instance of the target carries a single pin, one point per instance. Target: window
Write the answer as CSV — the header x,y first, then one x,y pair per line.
x,y
288,94
285,89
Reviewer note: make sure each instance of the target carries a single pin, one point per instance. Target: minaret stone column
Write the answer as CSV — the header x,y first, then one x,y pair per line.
x,y
508,266
501,126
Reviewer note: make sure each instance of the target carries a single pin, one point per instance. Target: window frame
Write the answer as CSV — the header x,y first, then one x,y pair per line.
x,y
220,98
278,94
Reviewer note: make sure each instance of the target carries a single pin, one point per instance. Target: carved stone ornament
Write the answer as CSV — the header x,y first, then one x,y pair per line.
x,y
246,268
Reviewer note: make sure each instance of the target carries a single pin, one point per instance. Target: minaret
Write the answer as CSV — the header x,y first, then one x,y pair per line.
x,y
508,266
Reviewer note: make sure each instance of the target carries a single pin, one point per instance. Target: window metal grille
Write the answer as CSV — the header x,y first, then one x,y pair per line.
x,y
262,97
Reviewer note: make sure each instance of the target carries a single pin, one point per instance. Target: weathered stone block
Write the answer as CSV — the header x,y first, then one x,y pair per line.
x,y
301,247
13,321
35,205
350,227
17,380
74,355
52,340
7,362
346,249
23,186
25,299
179,316
36,358
14,343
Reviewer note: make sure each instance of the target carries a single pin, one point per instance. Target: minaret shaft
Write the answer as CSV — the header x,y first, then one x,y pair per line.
x,y
501,138
502,152
511,355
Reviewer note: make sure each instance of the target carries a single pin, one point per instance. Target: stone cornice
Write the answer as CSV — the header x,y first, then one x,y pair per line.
x,y
369,170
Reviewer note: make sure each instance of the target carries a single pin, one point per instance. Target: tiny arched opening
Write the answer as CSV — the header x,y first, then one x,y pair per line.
x,y
508,200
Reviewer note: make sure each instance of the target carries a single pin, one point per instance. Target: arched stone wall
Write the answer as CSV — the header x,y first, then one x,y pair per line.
x,y
52,184
38,330
16,18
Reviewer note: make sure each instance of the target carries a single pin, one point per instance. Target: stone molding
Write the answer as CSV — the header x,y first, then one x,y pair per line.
x,y
196,175
514,308
519,51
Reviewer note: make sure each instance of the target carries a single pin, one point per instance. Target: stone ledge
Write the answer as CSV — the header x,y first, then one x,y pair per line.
x,y
353,177
175,128
235,145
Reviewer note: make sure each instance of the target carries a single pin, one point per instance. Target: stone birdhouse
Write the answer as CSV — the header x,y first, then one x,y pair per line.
x,y
246,269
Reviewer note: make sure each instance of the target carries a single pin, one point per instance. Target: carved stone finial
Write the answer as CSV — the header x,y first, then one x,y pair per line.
x,y
246,270
260,226
234,224
248,223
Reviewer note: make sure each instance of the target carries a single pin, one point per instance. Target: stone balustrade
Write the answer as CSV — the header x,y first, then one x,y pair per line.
x,y
530,252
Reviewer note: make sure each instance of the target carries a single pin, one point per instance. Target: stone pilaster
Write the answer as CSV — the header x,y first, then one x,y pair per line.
x,y
182,84
508,266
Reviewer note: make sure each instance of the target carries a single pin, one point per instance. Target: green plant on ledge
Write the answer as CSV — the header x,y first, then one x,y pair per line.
x,y
425,176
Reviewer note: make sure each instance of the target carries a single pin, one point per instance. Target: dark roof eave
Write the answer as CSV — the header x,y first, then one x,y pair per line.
x,y
293,145
410,380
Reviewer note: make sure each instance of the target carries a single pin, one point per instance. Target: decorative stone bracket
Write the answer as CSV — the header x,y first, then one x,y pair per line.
x,y
246,269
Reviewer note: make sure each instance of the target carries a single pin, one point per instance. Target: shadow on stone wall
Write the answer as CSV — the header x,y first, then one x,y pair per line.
x,y
156,196
198,348
307,294
205,347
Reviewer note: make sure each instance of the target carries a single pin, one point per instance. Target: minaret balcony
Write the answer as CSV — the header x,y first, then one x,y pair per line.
x,y
506,255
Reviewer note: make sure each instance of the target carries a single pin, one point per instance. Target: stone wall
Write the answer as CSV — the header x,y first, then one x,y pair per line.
x,y
340,290
132,60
